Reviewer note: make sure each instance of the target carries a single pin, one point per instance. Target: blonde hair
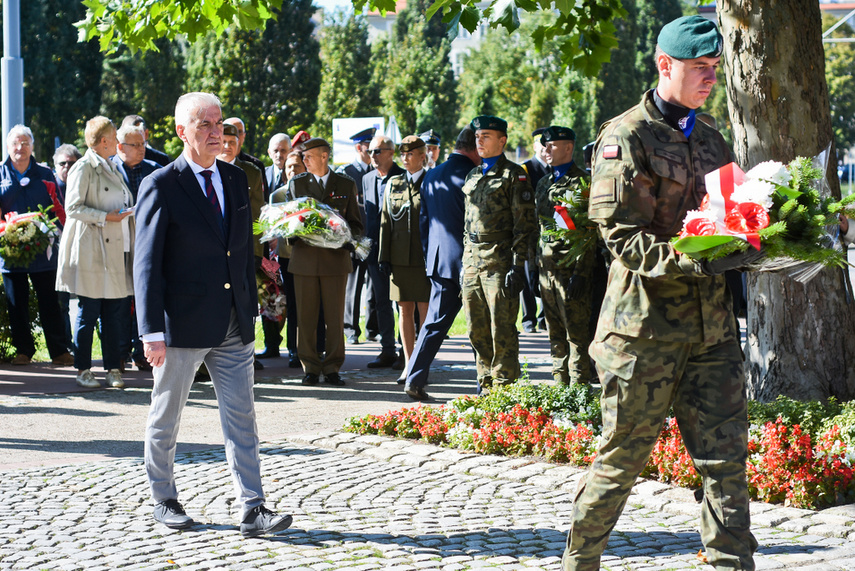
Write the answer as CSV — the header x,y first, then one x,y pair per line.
x,y
96,129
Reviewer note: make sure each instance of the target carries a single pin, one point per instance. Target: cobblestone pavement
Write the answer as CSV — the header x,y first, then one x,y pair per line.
x,y
366,502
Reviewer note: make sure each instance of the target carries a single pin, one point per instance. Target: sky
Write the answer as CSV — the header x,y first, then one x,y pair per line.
x,y
332,4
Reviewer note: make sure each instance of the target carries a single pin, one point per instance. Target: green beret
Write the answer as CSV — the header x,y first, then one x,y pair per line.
x,y
314,143
691,37
556,133
230,130
410,143
489,122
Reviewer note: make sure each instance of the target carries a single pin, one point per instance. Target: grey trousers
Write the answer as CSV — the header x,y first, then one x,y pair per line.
x,y
231,368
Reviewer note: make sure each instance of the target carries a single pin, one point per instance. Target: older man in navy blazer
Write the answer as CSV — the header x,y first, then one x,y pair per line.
x,y
441,228
194,280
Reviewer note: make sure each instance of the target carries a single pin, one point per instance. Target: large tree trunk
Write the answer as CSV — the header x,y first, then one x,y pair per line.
x,y
801,338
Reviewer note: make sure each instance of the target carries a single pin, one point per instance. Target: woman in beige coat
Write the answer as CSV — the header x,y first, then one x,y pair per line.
x,y
96,254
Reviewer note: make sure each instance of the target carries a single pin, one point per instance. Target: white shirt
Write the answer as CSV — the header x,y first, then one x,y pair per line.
x,y
415,176
216,179
322,180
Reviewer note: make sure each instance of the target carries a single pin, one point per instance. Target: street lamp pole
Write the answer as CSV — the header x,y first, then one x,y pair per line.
x,y
12,69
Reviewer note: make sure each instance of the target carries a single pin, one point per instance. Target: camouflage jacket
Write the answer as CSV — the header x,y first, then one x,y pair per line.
x,y
499,217
646,176
551,250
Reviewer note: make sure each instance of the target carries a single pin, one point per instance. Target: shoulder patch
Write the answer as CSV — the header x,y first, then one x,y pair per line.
x,y
611,152
523,178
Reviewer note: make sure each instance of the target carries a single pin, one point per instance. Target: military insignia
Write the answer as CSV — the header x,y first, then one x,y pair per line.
x,y
526,195
683,122
523,178
611,152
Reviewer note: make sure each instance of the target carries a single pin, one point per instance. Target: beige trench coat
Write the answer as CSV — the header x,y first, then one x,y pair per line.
x,y
96,256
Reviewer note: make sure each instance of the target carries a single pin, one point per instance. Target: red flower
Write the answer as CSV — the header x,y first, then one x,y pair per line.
x,y
746,217
699,227
705,203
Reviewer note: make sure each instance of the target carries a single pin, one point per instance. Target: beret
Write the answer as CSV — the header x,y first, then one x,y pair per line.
x,y
430,137
556,133
489,122
230,130
410,143
364,135
314,143
300,138
691,37
538,131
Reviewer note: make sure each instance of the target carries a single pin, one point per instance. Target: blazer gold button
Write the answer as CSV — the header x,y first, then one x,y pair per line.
x,y
228,253
228,286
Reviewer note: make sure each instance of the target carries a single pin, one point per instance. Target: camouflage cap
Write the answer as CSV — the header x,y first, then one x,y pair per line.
x,y
489,122
410,143
230,130
556,133
314,143
691,37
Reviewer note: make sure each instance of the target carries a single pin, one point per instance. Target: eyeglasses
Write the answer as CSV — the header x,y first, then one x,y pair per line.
x,y
375,152
133,145
65,163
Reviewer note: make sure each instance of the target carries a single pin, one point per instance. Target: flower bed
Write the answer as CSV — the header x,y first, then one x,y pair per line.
x,y
801,467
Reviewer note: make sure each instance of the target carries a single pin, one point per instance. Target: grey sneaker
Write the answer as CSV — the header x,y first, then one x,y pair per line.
x,y
87,380
261,521
114,379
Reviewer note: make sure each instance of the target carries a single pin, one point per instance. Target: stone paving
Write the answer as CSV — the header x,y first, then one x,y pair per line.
x,y
367,502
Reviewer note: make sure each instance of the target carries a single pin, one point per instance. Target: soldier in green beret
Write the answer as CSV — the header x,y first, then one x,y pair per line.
x,y
666,336
565,290
498,224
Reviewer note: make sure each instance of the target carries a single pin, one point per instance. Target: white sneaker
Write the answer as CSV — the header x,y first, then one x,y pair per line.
x,y
87,379
114,379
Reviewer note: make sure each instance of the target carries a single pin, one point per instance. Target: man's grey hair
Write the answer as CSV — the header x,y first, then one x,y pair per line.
x,y
465,140
18,130
126,130
275,140
383,140
66,150
236,120
189,105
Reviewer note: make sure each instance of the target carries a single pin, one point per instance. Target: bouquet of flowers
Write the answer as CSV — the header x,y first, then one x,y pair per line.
x,y
784,208
272,301
314,222
570,223
25,236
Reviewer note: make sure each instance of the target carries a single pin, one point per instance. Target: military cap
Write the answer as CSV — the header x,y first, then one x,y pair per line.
x,y
489,122
537,132
314,143
410,143
230,130
300,138
364,135
691,37
556,133
430,137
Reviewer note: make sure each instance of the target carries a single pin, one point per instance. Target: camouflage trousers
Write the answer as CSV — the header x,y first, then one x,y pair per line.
x,y
567,321
492,327
641,378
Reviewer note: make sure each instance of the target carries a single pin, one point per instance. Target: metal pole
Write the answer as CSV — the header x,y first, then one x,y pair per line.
x,y
12,69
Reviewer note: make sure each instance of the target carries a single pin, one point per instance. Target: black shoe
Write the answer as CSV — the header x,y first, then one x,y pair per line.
x,y
376,337
383,360
416,393
400,362
257,365
311,379
402,380
171,514
142,365
268,353
529,328
294,363
260,521
333,379
352,339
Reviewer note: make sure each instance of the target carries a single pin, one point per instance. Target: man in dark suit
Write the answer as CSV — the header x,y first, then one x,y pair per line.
x,y
151,154
382,151
441,228
537,168
196,301
360,166
320,274
277,150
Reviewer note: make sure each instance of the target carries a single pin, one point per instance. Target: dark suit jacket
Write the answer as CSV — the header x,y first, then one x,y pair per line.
x,y
441,217
272,184
156,156
148,167
372,193
536,171
340,193
187,275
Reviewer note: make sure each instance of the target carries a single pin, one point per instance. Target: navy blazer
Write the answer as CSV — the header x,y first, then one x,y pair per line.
x,y
188,276
268,176
372,194
148,167
441,216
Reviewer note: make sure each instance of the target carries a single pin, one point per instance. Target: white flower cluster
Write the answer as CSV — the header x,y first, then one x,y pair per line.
x,y
760,183
696,214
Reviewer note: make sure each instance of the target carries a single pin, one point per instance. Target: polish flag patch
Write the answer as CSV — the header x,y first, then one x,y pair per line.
x,y
523,178
611,152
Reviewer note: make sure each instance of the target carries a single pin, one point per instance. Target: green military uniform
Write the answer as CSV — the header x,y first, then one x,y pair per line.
x,y
567,310
400,239
666,336
498,223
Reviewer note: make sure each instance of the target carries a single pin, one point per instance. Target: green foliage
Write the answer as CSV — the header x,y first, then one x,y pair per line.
x,y
839,63
577,403
812,416
347,89
268,77
843,419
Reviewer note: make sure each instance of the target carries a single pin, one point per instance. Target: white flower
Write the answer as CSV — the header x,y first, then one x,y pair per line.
x,y
695,214
770,171
756,191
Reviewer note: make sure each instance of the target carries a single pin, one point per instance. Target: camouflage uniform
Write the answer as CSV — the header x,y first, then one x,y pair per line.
x,y
567,317
498,223
666,336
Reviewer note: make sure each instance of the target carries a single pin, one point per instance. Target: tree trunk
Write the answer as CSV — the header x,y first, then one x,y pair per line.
x,y
801,338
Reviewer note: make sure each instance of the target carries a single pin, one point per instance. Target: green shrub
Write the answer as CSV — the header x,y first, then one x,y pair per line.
x,y
810,415
845,420
574,403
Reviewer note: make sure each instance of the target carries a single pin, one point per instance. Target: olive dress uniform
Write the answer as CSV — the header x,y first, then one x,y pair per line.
x,y
666,337
499,220
400,239
565,291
